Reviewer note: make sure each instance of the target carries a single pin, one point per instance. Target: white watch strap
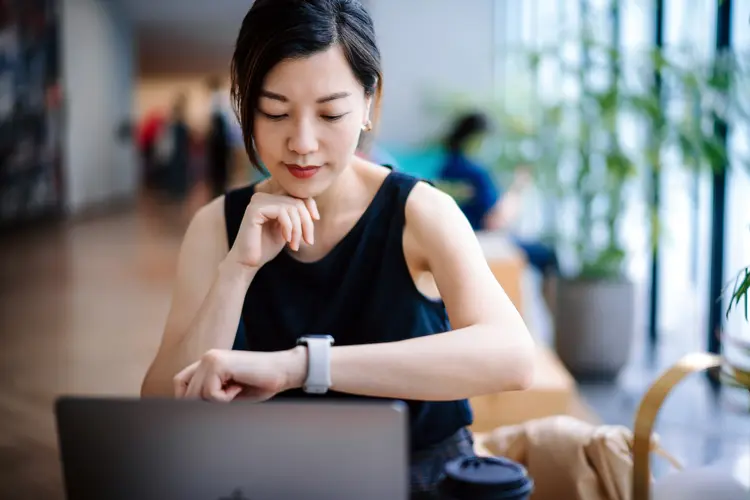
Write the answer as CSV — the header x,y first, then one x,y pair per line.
x,y
318,379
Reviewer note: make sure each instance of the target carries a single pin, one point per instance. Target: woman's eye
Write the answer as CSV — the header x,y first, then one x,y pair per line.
x,y
273,117
333,118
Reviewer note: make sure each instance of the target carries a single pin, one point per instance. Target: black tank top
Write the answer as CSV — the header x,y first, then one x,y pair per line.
x,y
361,292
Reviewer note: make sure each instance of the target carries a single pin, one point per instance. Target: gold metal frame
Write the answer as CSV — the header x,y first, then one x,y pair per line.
x,y
649,409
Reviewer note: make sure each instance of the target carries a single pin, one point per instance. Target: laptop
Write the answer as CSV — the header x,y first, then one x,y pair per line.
x,y
162,449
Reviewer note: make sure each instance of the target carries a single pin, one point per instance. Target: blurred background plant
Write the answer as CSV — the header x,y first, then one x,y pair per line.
x,y
595,148
572,142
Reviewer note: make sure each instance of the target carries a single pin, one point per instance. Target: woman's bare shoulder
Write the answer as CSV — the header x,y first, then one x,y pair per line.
x,y
432,218
209,221
207,228
428,205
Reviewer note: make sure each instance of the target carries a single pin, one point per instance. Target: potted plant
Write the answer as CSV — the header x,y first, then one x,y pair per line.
x,y
596,300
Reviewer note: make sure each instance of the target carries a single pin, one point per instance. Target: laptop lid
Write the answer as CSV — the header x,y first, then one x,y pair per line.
x,y
154,449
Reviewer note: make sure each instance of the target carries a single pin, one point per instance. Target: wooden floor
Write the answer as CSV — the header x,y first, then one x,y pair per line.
x,y
81,311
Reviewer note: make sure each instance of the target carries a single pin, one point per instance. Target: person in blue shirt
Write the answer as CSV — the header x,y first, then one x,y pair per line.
x,y
468,182
483,203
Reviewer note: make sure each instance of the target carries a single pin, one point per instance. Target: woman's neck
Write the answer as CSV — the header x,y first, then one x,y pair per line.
x,y
339,194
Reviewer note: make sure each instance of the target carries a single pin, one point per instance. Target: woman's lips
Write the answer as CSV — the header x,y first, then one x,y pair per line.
x,y
301,172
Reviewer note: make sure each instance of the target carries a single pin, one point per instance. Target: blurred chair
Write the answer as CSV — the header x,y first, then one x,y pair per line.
x,y
719,481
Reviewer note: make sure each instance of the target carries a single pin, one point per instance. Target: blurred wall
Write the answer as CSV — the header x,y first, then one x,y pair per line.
x,y
186,37
429,46
97,63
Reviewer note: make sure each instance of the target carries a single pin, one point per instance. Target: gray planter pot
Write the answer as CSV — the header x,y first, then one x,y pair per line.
x,y
595,325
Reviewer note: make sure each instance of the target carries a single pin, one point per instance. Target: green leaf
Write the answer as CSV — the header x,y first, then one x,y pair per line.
x,y
740,292
746,294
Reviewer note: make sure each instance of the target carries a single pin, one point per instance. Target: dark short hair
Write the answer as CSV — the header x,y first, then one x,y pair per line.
x,y
465,127
278,30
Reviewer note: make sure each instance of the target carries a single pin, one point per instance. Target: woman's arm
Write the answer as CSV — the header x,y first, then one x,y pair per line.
x,y
207,301
489,350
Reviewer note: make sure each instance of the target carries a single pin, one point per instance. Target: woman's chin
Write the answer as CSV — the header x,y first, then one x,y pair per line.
x,y
304,187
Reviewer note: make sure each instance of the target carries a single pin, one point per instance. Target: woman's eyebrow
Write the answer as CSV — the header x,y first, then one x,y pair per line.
x,y
272,95
282,98
333,97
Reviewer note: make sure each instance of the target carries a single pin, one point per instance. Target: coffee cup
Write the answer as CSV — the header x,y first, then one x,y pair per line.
x,y
485,478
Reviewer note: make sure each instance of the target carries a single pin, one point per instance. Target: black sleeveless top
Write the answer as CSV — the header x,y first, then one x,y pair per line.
x,y
361,292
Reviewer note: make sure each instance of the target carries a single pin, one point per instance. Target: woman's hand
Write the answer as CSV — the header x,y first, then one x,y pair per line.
x,y
272,221
222,375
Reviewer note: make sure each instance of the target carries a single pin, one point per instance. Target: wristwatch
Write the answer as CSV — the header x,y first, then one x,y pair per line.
x,y
318,379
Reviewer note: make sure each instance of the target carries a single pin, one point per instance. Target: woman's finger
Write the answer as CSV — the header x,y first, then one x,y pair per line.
x,y
286,225
308,228
231,391
296,227
182,379
213,388
195,387
312,207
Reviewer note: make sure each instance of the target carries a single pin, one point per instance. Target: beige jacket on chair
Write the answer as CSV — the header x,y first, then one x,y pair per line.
x,y
568,458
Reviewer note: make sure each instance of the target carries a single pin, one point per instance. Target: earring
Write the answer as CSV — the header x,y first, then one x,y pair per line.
x,y
367,126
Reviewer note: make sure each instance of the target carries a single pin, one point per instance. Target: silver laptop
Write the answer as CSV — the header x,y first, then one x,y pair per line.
x,y
155,449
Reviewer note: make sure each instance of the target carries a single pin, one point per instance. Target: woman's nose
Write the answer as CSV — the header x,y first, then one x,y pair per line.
x,y
303,140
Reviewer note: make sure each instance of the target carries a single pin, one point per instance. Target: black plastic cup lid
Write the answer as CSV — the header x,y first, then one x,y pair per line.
x,y
485,478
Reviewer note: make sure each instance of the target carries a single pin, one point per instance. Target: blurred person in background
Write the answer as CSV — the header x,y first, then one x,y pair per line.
x,y
148,135
468,182
173,150
486,206
334,244
218,147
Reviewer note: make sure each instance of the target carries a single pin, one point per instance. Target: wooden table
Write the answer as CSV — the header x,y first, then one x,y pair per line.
x,y
507,263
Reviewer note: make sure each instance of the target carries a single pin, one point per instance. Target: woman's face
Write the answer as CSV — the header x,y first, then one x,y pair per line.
x,y
307,124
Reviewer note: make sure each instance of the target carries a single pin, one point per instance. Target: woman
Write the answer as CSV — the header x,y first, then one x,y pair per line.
x,y
218,150
333,244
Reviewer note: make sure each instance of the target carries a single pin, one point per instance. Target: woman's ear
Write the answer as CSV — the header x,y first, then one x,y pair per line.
x,y
368,107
